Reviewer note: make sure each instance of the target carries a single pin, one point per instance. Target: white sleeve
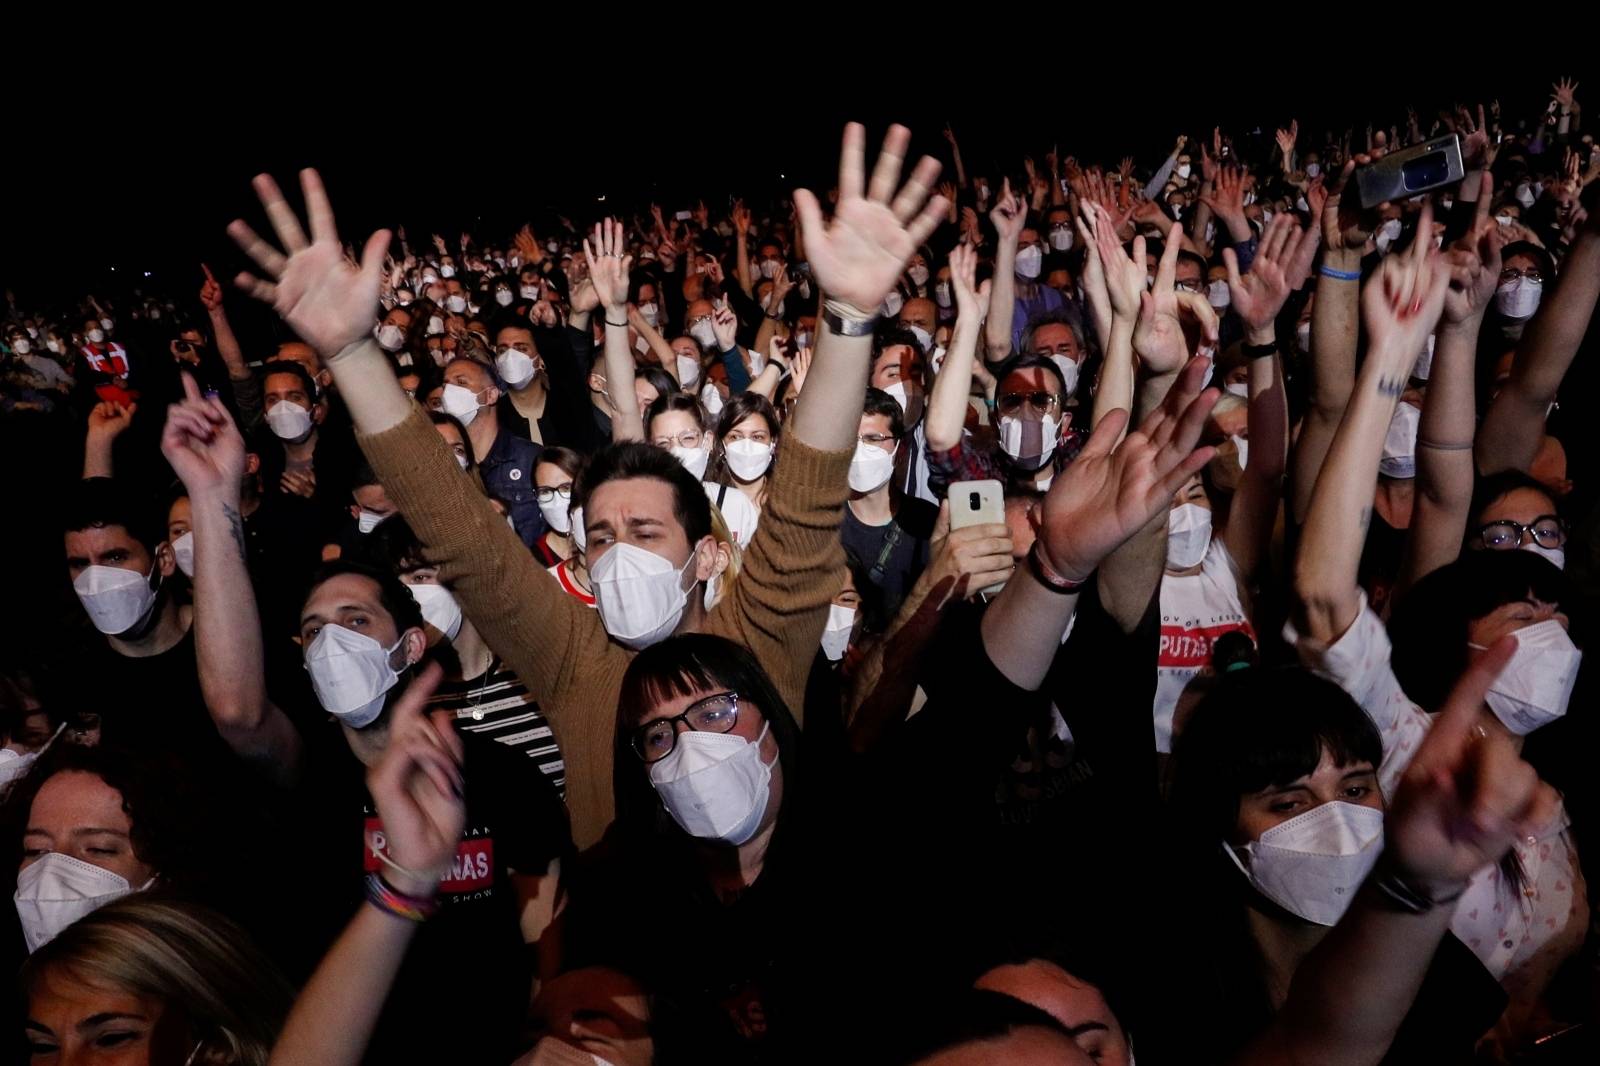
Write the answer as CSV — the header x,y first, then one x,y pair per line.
x,y
1358,662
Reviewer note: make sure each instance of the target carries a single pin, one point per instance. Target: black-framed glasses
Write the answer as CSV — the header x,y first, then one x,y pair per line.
x,y
655,740
1041,401
545,493
1548,531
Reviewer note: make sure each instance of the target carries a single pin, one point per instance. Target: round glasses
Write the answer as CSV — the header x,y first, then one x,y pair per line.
x,y
687,439
1548,531
655,740
1041,402
546,494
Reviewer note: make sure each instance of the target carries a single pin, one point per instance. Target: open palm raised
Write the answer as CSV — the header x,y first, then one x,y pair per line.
x,y
323,296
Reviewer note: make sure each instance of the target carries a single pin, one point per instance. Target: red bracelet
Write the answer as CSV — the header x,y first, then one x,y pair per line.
x,y
382,895
1049,578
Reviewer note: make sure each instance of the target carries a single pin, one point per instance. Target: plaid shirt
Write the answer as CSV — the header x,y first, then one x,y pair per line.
x,y
969,462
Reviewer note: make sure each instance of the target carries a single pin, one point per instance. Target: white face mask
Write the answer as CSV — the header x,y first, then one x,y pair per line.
x,y
901,397
715,785
289,421
941,294
1524,195
651,314
1238,388
1218,295
640,594
183,551
769,268
1069,372
503,297
14,764
115,599
455,302
403,299
1388,233
693,459
1184,169
54,346
1313,864
351,674
367,521
21,347
1029,444
1536,684
1061,238
1313,169
870,468
460,402
556,513
836,634
924,338
1518,298
96,335
704,333
447,271
1558,556
435,325
748,459
710,397
1399,458
391,338
1029,262
1242,444
57,890
439,608
688,371
1504,220
529,292
516,367
1188,535
918,275
892,303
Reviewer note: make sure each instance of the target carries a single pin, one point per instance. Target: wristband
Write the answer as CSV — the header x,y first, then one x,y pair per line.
x,y
846,321
1258,351
1051,580
1403,895
1339,275
388,899
619,325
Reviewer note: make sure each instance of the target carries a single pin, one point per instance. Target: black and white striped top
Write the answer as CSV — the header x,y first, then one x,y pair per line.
x,y
497,706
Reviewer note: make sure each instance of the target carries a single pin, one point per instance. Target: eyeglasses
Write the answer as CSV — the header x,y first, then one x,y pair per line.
x,y
1548,531
1194,285
876,439
1512,274
655,740
1041,402
546,493
687,439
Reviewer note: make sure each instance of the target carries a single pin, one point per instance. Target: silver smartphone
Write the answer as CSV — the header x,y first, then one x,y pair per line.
x,y
1410,171
977,503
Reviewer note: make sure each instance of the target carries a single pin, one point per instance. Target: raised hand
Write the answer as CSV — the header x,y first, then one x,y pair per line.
x,y
972,300
108,420
782,285
1125,275
1104,497
725,324
1286,140
859,256
1474,263
968,560
1466,796
608,264
740,216
1009,213
417,787
1562,93
1345,230
1401,303
1477,151
527,246
201,443
210,292
1284,254
799,366
1226,198
1158,335
313,288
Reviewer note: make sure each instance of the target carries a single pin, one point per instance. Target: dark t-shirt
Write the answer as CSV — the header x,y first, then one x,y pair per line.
x,y
893,553
462,992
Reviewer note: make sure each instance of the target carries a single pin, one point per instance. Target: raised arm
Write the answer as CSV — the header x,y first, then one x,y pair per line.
x,y
1104,497
1449,415
947,406
608,272
741,240
245,385
1009,216
417,788
955,155
1465,798
1514,425
1335,325
208,454
1125,283
659,348
107,421
1284,256
1400,306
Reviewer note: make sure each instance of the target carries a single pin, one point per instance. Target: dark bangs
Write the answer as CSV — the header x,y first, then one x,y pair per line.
x,y
1261,728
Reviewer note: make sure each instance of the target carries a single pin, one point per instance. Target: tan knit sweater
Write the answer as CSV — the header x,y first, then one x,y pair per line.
x,y
558,647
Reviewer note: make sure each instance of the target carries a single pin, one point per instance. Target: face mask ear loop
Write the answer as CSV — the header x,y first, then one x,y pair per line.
x,y
1228,850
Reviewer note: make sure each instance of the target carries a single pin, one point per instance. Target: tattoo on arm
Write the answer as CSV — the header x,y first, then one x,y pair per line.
x,y
236,527
1391,386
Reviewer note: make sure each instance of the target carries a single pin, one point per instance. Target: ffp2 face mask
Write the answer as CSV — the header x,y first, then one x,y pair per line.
x,y
351,674
1313,864
640,594
715,785
115,599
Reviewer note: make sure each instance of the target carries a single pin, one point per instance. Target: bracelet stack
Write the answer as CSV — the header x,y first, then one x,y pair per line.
x,y
1046,575
388,899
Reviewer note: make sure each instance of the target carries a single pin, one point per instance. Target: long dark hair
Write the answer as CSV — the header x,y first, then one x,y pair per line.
x,y
733,412
681,666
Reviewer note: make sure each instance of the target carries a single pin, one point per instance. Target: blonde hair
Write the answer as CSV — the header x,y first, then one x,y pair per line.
x,y
719,532
188,957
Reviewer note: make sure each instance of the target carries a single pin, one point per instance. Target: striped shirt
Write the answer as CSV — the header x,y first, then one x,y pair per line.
x,y
498,707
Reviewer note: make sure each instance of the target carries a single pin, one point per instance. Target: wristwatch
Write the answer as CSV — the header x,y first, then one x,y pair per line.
x,y
848,327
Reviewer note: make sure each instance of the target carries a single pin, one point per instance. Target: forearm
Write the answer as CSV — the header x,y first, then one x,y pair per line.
x,y
738,373
368,386
1334,322
1255,503
1117,372
97,455
1022,628
659,348
886,680
742,259
1444,457
828,414
228,345
333,1019
1002,302
947,406
626,422
765,332
1341,507
1159,181
765,384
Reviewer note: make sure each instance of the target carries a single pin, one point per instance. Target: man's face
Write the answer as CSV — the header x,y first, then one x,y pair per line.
x,y
897,362
372,498
1029,238
876,431
288,388
351,601
920,312
113,546
1020,389
1079,1006
639,511
1190,276
1056,338
474,378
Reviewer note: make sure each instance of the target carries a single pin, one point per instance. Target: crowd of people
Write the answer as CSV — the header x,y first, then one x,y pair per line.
x,y
1036,616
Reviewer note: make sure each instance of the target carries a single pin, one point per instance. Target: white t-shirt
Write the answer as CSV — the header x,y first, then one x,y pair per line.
x,y
740,514
1195,611
1504,930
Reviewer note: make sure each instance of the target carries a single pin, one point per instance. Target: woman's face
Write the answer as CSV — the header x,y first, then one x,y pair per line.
x,y
749,724
451,435
751,427
1520,505
77,814
1353,783
1193,491
73,1021
678,429
178,516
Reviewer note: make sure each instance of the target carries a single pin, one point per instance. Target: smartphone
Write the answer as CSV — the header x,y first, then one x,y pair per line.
x,y
977,503
684,216
1410,171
